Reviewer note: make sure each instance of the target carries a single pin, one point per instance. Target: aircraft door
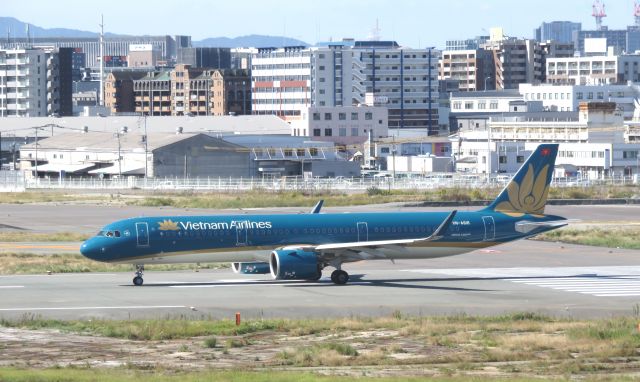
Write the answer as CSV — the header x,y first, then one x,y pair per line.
x,y
142,233
363,231
241,236
489,228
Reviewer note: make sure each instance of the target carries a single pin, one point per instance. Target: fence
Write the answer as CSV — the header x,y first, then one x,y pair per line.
x,y
18,181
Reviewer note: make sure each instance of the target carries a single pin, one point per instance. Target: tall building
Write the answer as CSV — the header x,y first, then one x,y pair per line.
x,y
615,38
559,31
592,70
143,56
516,61
23,83
118,90
472,69
467,44
286,81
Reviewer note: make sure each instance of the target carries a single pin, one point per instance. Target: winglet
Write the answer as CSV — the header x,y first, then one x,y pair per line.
x,y
317,207
438,233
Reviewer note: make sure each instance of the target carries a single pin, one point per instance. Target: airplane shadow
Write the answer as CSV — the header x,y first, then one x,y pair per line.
x,y
358,280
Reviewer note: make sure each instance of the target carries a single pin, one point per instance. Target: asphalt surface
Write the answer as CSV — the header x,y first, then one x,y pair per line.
x,y
549,278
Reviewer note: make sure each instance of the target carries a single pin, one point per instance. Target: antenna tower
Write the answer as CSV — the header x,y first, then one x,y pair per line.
x,y
598,13
636,12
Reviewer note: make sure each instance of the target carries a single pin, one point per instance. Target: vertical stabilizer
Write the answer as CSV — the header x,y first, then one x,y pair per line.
x,y
527,191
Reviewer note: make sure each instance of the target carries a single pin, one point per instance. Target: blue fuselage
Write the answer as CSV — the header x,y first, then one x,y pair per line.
x,y
243,238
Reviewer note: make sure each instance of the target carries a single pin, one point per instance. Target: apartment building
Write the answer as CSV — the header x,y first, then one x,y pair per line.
x,y
153,94
516,61
118,91
593,70
23,83
286,81
473,69
230,92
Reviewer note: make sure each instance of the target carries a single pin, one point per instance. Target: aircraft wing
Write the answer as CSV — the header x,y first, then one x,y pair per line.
x,y
363,245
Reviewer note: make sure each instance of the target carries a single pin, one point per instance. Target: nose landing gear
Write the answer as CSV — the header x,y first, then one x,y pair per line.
x,y
137,281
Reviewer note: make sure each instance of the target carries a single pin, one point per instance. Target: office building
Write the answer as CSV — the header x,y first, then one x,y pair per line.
x,y
593,70
472,69
559,31
218,58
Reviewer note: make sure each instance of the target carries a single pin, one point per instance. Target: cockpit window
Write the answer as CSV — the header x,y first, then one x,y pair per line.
x,y
109,234
101,233
116,233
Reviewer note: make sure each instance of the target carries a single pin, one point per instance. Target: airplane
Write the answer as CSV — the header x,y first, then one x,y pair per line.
x,y
300,246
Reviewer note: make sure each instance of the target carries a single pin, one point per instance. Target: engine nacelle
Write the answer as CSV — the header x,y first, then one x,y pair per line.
x,y
250,268
292,264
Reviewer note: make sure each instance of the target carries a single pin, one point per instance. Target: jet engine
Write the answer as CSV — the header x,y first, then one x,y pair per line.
x,y
294,264
250,268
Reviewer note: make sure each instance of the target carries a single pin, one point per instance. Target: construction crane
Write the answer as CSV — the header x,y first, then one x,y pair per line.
x,y
598,13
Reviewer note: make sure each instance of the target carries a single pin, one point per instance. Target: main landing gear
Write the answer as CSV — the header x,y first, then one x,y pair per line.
x,y
339,277
137,281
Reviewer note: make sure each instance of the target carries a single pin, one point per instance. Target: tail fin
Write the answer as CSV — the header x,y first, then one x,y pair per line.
x,y
527,191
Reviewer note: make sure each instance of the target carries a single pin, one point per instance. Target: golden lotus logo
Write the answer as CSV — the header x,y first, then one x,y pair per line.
x,y
528,197
168,225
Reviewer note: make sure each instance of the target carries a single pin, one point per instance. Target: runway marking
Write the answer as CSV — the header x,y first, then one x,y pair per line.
x,y
95,307
607,281
60,274
11,286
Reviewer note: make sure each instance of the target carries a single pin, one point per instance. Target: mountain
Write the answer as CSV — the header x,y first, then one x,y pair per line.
x,y
254,40
18,29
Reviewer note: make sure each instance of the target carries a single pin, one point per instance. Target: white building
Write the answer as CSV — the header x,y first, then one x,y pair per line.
x,y
484,101
593,70
569,97
23,83
343,125
281,82
286,81
593,143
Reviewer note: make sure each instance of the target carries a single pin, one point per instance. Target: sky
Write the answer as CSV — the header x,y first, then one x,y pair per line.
x,y
413,23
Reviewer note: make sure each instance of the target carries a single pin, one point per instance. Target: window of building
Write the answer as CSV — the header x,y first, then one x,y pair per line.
x,y
457,105
327,116
482,105
502,159
342,131
600,95
342,116
316,132
322,79
590,95
468,105
328,132
321,91
629,155
354,131
321,67
579,95
493,105
384,150
316,116
368,116
520,159
354,116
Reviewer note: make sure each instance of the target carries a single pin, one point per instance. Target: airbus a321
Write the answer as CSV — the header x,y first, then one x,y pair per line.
x,y
301,246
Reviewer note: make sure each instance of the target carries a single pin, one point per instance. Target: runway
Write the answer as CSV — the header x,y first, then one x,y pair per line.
x,y
548,278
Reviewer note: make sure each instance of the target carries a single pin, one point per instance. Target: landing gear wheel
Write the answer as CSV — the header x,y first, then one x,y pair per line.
x,y
339,277
137,281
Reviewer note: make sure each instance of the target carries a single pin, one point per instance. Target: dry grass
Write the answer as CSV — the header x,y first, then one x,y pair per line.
x,y
26,236
615,237
27,263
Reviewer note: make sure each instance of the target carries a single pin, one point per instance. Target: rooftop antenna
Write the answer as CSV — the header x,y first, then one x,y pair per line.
x,y
636,12
28,35
375,32
101,60
598,13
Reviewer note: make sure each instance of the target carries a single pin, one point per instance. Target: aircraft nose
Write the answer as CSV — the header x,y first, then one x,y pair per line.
x,y
91,249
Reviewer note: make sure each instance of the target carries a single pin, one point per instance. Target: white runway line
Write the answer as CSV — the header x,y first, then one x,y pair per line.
x,y
11,286
95,307
607,281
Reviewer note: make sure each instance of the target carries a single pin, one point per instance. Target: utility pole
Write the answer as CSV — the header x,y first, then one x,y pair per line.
x,y
119,155
146,139
101,60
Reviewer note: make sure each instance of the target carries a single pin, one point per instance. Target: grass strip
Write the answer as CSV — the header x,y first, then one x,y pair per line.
x,y
29,263
26,236
628,238
125,375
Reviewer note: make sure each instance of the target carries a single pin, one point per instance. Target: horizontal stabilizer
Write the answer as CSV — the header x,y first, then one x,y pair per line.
x,y
526,226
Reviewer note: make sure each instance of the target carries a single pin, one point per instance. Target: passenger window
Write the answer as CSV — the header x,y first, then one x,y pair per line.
x,y
116,233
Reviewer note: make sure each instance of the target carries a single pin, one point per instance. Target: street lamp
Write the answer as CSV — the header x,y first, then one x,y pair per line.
x,y
485,83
